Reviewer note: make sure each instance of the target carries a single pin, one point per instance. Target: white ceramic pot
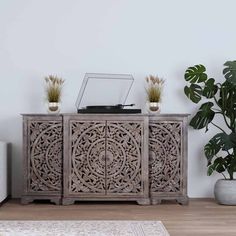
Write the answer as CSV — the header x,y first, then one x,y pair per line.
x,y
4,171
54,107
153,107
225,191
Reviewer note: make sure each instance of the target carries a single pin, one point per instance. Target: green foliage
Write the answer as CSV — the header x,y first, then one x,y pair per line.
x,y
203,117
210,89
230,71
53,88
227,102
220,151
193,92
196,74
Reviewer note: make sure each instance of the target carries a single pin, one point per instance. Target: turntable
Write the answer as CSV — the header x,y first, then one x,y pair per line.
x,y
105,93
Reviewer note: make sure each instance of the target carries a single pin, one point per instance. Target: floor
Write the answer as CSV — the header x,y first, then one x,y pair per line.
x,y
200,217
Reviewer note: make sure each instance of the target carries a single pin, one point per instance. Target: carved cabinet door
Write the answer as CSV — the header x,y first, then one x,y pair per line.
x,y
124,158
167,157
84,153
104,158
43,155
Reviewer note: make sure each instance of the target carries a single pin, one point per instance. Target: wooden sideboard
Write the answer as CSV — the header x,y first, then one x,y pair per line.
x,y
77,157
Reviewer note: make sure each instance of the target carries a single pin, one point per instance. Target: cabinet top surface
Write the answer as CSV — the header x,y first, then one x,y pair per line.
x,y
118,115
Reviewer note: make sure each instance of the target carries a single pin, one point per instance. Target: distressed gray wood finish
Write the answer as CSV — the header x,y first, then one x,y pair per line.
x,y
86,163
124,157
105,158
168,158
42,137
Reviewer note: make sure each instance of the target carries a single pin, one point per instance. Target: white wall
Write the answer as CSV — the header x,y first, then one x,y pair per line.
x,y
72,37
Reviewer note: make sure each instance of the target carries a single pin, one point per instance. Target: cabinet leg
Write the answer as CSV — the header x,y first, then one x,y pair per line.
x,y
26,200
144,201
57,201
67,201
156,201
182,200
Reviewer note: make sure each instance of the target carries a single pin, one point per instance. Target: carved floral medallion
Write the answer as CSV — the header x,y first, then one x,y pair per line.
x,y
105,157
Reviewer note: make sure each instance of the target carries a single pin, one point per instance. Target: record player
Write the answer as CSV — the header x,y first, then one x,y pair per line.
x,y
105,93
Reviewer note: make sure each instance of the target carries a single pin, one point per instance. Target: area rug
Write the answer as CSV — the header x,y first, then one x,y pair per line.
x,y
82,228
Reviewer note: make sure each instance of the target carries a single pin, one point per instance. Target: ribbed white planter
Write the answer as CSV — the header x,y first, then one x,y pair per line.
x,y
3,171
225,192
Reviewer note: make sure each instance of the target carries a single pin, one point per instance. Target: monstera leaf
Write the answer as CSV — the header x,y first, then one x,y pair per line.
x,y
219,165
228,141
219,141
193,92
227,101
203,117
196,74
211,149
210,88
230,71
231,164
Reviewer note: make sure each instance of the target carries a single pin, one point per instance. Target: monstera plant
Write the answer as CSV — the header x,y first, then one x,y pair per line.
x,y
217,99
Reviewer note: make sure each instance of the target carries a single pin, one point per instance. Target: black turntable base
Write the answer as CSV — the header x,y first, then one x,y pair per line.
x,y
106,109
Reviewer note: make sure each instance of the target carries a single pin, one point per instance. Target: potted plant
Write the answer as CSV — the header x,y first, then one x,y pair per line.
x,y
53,93
219,100
154,93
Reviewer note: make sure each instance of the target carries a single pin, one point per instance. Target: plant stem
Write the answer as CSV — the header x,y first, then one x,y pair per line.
x,y
216,101
226,121
228,152
223,175
231,175
218,127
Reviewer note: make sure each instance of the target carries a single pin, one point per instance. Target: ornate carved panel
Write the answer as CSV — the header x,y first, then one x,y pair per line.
x,y
105,157
165,156
45,156
123,157
87,161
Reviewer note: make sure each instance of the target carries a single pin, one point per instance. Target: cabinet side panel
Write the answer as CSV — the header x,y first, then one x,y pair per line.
x,y
25,156
165,157
185,155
